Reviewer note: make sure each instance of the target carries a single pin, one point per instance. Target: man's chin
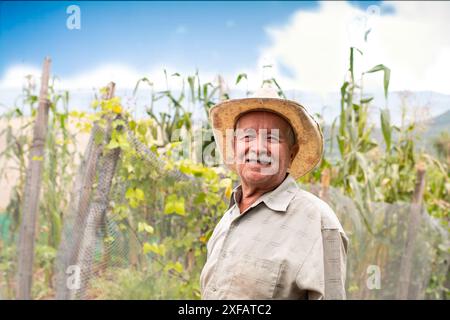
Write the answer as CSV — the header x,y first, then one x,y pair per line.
x,y
258,175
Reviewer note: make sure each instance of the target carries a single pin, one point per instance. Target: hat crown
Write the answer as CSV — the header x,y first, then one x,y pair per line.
x,y
266,92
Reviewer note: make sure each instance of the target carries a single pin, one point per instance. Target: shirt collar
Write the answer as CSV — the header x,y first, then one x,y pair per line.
x,y
277,199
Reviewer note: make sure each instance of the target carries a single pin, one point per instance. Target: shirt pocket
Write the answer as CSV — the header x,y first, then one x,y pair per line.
x,y
254,278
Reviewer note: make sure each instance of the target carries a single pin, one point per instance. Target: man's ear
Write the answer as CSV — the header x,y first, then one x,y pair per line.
x,y
294,150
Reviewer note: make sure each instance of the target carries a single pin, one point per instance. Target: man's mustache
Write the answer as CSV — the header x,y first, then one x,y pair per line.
x,y
261,157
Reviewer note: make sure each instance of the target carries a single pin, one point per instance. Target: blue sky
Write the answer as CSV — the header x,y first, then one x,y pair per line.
x,y
307,43
210,35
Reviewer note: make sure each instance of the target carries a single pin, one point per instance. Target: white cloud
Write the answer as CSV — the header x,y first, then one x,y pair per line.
x,y
310,53
14,77
84,84
124,76
314,46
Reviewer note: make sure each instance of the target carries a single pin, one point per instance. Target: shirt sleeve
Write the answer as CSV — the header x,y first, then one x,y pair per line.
x,y
323,273
310,276
335,244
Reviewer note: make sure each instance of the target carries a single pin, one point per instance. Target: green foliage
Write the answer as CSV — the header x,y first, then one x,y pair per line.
x,y
368,175
152,283
173,218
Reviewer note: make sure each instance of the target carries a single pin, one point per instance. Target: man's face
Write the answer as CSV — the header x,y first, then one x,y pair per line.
x,y
263,148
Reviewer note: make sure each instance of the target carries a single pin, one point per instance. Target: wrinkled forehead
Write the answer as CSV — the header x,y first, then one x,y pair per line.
x,y
261,119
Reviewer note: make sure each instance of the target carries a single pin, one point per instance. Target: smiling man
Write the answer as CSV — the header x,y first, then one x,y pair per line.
x,y
275,241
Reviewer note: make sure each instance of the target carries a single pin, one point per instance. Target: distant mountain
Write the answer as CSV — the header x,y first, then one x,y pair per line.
x,y
432,108
419,104
438,124
427,131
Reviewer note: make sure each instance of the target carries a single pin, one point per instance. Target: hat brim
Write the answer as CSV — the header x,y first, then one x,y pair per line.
x,y
307,131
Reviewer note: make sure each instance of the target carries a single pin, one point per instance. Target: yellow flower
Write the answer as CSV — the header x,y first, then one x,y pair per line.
x,y
117,108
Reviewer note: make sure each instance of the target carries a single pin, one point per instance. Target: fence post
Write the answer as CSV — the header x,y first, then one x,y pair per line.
x,y
413,224
32,190
78,208
325,185
97,208
222,88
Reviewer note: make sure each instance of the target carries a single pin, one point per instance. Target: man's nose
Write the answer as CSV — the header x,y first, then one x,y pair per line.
x,y
259,145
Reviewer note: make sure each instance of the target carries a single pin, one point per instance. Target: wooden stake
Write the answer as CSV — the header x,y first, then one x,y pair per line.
x,y
79,204
413,225
325,185
97,207
222,90
32,190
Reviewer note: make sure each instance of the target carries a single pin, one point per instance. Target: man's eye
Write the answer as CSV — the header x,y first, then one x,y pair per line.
x,y
273,138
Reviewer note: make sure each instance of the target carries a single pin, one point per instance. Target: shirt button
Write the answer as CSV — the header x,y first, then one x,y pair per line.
x,y
214,289
224,255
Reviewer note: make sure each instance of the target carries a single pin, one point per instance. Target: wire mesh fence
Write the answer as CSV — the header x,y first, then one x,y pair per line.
x,y
377,247
94,244
91,241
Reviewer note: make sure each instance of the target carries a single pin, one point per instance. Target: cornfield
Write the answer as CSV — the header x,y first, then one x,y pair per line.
x,y
135,200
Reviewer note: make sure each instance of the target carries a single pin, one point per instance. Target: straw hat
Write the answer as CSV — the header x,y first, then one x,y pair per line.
x,y
307,131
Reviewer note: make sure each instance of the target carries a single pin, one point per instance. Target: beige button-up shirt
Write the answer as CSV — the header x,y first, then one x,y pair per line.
x,y
289,244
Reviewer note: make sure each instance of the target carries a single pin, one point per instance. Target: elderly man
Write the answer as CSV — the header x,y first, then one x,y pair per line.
x,y
275,241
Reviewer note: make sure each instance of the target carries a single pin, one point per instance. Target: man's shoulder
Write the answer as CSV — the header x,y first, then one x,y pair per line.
x,y
316,207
